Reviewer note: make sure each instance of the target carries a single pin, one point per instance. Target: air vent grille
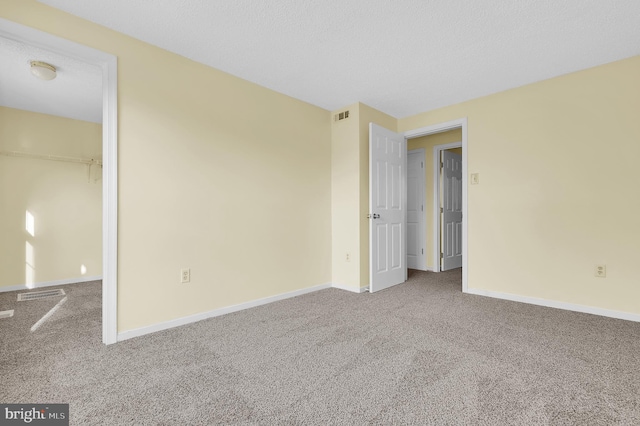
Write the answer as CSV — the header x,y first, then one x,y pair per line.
x,y
341,116
37,295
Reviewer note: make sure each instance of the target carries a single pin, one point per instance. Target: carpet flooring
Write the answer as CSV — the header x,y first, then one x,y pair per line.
x,y
420,353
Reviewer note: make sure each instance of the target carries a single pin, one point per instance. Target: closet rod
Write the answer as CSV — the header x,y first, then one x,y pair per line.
x,y
50,157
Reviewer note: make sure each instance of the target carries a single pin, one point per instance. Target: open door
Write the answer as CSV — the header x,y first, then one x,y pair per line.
x,y
451,210
387,208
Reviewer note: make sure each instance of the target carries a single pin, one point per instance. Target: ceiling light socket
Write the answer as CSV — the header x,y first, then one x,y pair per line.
x,y
43,70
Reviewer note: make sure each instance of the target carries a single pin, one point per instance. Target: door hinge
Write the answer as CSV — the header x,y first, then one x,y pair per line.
x,y
422,165
441,255
422,208
422,251
441,209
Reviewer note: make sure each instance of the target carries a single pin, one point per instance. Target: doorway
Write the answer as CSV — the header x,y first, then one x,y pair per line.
x,y
388,202
432,217
434,245
108,66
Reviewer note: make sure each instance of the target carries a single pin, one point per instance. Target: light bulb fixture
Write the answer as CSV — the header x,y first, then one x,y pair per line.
x,y
43,70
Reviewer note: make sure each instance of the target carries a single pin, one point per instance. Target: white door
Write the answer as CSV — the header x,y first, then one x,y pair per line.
x,y
387,208
416,258
451,210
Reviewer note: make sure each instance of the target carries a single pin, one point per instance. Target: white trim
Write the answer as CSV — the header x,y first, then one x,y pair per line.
x,y
439,128
557,305
108,64
110,201
129,334
436,128
50,283
422,263
350,288
437,152
405,147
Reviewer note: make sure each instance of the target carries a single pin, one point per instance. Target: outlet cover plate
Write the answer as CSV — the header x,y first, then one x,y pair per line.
x,y
600,271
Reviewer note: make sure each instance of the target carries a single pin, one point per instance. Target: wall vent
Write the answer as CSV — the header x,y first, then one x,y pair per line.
x,y
341,116
37,295
6,314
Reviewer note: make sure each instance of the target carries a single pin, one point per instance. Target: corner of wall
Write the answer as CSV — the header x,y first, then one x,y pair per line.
x,y
345,256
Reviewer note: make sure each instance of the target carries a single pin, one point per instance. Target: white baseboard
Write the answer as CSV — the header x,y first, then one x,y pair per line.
x,y
350,288
129,334
558,305
50,283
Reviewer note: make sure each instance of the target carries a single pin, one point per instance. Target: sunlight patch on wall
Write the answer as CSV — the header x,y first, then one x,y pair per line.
x,y
30,224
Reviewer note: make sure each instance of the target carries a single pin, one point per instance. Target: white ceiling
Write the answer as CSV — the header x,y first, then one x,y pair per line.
x,y
76,92
401,57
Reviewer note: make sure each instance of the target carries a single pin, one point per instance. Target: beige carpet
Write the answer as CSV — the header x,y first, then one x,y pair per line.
x,y
418,353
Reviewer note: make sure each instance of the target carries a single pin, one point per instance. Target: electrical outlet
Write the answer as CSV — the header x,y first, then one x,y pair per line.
x,y
185,275
475,178
601,271
348,258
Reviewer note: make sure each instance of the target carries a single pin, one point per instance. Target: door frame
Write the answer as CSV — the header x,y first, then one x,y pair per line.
x,y
437,181
422,265
460,123
109,66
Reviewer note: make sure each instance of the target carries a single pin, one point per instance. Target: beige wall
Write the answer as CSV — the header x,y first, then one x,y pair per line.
x,y
428,142
215,174
66,205
557,195
31,132
345,207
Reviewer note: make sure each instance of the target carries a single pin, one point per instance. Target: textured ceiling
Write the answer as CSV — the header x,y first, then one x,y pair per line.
x,y
76,92
401,57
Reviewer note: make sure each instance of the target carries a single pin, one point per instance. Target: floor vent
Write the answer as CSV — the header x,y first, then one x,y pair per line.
x,y
6,314
37,295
